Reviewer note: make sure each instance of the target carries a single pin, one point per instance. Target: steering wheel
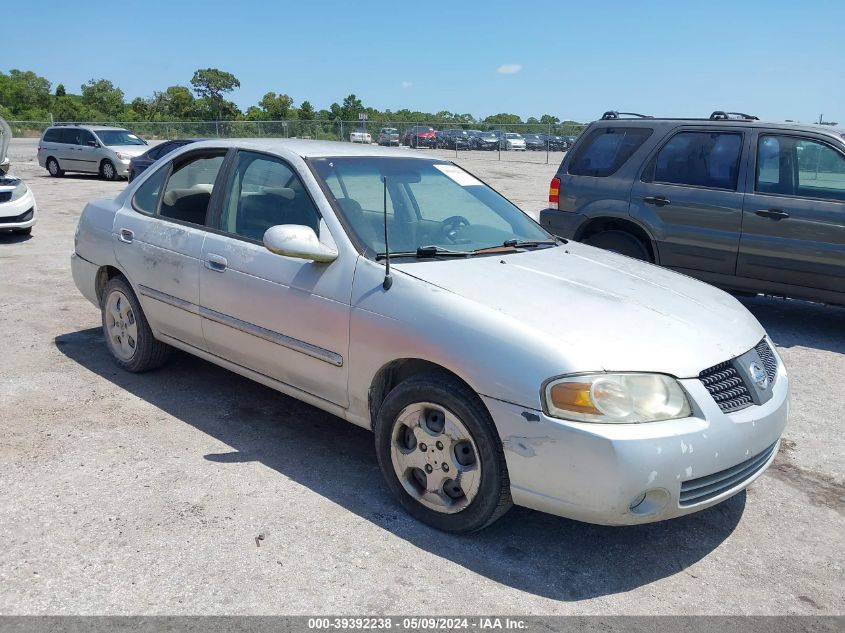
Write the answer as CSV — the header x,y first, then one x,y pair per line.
x,y
447,231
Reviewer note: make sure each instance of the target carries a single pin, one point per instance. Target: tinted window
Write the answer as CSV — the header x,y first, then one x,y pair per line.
x,y
793,166
264,192
606,150
146,198
119,137
85,137
52,136
700,159
70,136
189,189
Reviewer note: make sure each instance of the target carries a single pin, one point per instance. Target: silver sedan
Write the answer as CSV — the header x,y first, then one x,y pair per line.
x,y
494,363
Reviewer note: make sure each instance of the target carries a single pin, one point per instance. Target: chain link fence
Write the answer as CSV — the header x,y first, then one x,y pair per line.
x,y
528,142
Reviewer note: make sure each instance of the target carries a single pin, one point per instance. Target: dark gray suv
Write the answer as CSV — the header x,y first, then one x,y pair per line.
x,y
743,204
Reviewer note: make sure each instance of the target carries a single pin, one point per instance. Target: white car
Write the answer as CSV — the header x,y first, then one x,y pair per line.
x,y
360,136
17,204
514,141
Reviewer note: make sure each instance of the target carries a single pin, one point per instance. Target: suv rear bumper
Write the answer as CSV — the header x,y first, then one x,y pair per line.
x,y
565,224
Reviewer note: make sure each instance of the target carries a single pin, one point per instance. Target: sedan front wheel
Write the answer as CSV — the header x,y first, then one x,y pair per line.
x,y
441,455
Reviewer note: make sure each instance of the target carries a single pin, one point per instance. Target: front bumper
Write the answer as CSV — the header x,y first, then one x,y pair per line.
x,y
19,214
594,472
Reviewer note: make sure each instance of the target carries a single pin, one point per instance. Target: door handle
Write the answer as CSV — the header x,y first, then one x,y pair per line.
x,y
126,236
774,214
658,201
216,263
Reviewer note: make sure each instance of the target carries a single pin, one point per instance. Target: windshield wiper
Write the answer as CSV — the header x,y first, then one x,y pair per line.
x,y
426,252
514,244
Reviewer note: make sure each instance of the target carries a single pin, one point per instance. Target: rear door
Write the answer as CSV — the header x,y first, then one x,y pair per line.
x,y
794,216
688,195
158,241
69,149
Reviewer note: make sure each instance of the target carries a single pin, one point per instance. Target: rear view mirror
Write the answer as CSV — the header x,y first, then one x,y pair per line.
x,y
299,241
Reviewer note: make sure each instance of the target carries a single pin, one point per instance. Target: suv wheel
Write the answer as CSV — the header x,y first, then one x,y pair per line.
x,y
620,242
53,168
108,171
441,455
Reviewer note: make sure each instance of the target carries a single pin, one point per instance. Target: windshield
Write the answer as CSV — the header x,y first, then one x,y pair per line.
x,y
429,203
118,137
512,135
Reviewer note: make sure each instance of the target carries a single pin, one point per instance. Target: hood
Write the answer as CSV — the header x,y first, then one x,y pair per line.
x,y
129,150
602,310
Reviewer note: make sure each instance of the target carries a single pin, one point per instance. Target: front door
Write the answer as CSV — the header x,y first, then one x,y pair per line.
x,y
158,237
793,229
688,196
282,317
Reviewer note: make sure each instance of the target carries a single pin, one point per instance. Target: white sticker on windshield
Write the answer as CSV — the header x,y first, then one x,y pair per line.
x,y
458,175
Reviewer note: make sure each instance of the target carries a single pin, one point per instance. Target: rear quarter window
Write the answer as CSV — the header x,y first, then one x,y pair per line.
x,y
51,136
605,150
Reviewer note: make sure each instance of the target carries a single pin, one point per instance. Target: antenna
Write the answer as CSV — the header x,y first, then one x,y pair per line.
x,y
388,280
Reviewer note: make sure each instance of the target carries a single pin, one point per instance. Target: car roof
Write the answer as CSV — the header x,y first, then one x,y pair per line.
x,y
306,148
95,128
722,123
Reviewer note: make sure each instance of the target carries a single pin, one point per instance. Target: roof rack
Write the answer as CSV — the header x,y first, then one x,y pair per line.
x,y
613,114
721,115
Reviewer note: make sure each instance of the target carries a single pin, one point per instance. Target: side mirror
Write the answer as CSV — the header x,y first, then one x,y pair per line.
x,y
93,143
297,240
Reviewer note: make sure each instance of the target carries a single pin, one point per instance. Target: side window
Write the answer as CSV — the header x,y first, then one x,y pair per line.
x,y
700,159
791,166
188,191
85,137
147,196
52,136
263,192
70,136
606,150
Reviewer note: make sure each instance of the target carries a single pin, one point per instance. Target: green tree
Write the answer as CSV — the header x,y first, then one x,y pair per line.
x,y
306,111
60,90
548,119
103,96
503,119
210,84
24,90
275,107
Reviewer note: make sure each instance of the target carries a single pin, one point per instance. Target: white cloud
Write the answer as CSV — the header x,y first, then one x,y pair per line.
x,y
406,84
509,69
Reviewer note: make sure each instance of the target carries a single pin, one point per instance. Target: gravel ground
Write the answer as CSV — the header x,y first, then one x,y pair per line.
x,y
146,494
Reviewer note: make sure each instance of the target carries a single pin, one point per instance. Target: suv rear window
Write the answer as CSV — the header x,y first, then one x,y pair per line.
x,y
52,136
606,150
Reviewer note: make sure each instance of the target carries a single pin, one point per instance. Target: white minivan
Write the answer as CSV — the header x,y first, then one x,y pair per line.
x,y
89,149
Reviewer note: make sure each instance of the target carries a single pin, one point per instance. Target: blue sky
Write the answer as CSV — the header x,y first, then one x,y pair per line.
x,y
778,59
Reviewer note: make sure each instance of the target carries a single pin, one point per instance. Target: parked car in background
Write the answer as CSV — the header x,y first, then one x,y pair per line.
x,y
484,140
90,149
740,203
420,136
453,139
360,136
138,164
18,211
534,142
615,368
388,136
512,141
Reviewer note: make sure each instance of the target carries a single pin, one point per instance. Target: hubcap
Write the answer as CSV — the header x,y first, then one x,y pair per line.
x,y
108,170
53,167
121,328
435,457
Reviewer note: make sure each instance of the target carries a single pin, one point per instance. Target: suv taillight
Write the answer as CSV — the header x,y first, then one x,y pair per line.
x,y
554,193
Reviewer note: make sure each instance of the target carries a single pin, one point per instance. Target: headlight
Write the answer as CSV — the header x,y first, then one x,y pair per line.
x,y
19,191
123,156
616,398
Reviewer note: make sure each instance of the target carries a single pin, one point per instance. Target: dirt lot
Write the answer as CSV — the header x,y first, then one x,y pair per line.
x,y
125,494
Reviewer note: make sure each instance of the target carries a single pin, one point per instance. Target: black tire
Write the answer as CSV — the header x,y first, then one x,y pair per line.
x,y
493,497
108,171
620,242
150,353
53,168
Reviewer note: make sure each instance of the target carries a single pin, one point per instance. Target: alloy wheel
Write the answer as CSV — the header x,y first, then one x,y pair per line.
x,y
121,326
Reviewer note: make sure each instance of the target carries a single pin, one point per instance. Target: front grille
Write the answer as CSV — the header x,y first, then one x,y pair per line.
x,y
726,386
5,196
768,357
23,217
704,488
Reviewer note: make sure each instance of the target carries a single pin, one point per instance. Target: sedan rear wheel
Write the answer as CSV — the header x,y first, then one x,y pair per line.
x,y
128,335
441,455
